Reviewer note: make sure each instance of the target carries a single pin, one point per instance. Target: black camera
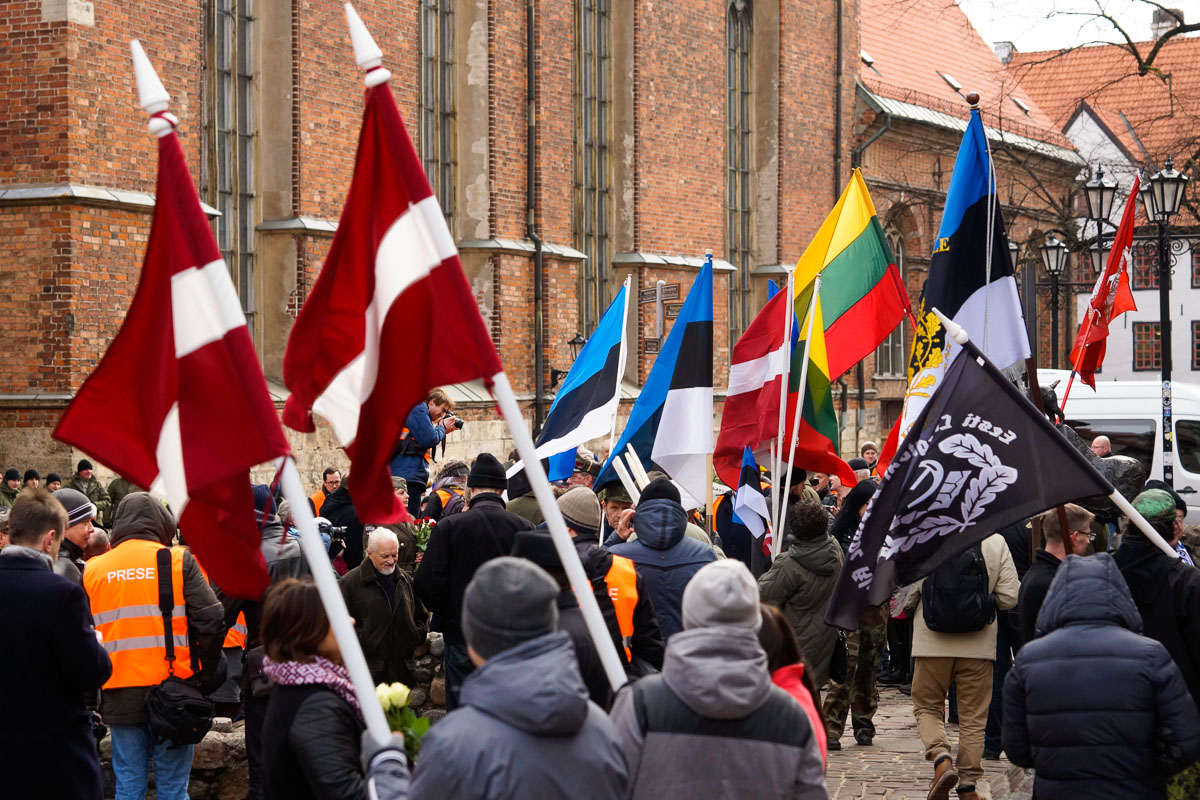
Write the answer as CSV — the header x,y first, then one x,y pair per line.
x,y
333,531
458,423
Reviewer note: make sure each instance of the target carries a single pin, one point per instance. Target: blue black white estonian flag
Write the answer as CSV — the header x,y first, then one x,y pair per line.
x,y
671,424
586,404
749,503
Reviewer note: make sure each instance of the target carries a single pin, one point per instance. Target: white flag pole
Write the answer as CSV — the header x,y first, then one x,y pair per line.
x,y
628,482
635,467
956,332
612,433
779,505
335,605
777,543
507,403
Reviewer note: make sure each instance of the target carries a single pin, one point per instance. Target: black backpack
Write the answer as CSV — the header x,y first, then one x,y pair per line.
x,y
955,597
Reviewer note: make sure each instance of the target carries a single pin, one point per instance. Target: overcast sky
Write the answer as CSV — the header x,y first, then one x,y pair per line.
x,y
1051,24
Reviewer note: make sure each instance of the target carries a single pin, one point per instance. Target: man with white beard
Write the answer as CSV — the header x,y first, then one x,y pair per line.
x,y
389,620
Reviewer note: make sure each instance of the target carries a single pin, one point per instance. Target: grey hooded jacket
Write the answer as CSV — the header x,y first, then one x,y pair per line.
x,y
713,725
1096,709
525,728
799,583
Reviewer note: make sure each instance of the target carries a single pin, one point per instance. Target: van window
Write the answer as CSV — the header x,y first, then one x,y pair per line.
x,y
1187,443
1129,437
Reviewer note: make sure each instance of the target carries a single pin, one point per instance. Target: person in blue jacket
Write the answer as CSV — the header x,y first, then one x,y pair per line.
x,y
426,427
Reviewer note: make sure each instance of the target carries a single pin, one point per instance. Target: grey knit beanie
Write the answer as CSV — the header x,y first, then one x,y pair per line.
x,y
508,602
77,505
581,510
722,594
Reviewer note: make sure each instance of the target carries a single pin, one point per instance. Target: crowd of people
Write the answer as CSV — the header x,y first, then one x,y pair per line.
x,y
735,685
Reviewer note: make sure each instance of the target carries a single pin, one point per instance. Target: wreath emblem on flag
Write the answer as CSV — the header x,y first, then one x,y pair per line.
x,y
948,497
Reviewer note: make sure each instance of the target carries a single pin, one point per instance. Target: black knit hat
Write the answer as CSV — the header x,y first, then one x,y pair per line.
x,y
858,463
83,464
660,489
12,474
487,473
32,475
53,477
538,547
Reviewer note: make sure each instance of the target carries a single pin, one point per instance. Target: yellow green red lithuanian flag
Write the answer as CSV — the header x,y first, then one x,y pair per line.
x,y
861,300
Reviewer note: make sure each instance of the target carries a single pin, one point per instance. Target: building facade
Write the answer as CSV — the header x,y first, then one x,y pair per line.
x,y
658,131
1121,118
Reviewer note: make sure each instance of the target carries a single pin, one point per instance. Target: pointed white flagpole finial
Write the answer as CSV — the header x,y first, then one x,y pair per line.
x,y
953,329
152,95
366,52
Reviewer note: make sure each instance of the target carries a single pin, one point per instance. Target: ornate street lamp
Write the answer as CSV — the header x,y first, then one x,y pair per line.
x,y
576,344
1099,193
1054,258
1099,254
1162,198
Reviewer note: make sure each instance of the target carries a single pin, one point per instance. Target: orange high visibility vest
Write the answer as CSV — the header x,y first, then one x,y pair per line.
x,y
405,433
622,590
122,589
318,499
236,636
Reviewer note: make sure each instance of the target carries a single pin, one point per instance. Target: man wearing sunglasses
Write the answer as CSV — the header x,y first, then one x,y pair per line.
x,y
1047,560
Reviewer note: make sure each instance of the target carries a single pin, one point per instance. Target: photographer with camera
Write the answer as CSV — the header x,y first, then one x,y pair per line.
x,y
427,425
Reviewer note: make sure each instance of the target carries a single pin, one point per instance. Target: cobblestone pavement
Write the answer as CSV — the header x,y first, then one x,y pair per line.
x,y
895,767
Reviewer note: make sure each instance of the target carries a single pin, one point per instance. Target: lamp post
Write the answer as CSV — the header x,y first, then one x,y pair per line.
x,y
576,345
1161,198
1054,258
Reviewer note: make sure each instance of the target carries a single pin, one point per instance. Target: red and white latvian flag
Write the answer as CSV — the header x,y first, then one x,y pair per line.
x,y
178,402
751,416
1111,297
390,317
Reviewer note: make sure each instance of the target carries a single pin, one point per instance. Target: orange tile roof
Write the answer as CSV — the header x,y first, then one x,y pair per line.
x,y
1164,113
913,44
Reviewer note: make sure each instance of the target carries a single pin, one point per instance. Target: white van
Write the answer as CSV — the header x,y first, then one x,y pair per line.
x,y
1129,413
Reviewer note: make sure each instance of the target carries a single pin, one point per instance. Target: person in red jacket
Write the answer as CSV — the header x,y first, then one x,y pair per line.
x,y
785,662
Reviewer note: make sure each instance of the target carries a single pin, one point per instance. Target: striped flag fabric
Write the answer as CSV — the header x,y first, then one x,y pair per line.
x,y
863,297
815,445
670,425
586,404
179,403
1111,297
364,347
751,414
749,503
987,306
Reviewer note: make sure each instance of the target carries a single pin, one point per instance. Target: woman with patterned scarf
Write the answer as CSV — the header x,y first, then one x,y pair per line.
x,y
313,744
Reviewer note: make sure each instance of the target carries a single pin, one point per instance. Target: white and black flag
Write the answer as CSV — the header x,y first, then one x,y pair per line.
x,y
979,456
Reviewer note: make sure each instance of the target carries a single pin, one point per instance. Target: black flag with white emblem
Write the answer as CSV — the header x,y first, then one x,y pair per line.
x,y
978,457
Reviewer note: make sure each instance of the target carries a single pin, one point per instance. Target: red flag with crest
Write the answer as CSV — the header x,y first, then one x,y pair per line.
x,y
1111,297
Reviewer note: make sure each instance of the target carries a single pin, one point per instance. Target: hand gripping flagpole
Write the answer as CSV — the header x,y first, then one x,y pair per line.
x,y
777,544
956,332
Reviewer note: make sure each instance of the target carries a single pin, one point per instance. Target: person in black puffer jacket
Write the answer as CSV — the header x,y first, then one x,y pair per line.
x,y
1096,709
